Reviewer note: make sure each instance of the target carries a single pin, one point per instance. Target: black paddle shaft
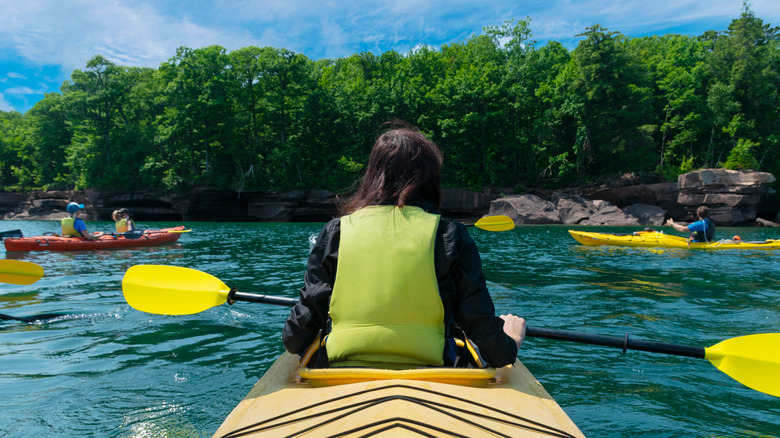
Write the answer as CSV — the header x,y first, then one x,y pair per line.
x,y
41,317
615,341
561,335
234,295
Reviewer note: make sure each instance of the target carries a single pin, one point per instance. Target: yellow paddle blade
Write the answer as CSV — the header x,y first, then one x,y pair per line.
x,y
172,290
19,272
495,223
752,360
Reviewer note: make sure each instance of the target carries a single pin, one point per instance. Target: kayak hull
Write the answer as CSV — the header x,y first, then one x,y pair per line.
x,y
106,241
654,239
282,403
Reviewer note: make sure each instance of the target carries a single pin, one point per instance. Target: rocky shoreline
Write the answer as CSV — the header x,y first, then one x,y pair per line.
x,y
735,198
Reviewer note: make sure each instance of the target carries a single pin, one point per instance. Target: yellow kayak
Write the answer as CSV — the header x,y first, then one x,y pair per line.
x,y
656,239
431,402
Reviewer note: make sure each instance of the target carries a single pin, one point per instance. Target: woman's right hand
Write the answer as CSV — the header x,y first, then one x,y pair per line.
x,y
514,327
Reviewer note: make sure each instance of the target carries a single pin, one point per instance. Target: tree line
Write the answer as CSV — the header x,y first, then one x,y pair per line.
x,y
505,113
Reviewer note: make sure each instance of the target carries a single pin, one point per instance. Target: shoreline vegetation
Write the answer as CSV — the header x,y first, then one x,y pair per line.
x,y
505,112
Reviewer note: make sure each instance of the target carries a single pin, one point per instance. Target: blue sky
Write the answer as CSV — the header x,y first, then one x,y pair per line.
x,y
43,41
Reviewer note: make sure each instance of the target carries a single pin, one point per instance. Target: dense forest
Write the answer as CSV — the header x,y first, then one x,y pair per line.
x,y
505,113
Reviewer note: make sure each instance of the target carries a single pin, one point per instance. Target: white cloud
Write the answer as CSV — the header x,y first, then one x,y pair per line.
x,y
22,90
333,35
4,105
128,33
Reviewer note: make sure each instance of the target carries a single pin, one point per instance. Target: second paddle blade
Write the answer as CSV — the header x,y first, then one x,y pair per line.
x,y
172,290
495,223
19,272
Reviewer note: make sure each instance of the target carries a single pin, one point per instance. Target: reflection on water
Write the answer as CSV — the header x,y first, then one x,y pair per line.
x,y
108,370
642,286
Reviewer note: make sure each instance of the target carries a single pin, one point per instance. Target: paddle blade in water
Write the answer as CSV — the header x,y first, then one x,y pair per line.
x,y
10,233
752,360
172,290
495,223
19,272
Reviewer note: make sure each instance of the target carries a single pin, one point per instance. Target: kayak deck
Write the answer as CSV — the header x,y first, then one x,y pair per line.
x,y
512,404
657,239
106,241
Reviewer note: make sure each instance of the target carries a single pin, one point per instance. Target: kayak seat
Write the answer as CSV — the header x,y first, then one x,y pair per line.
x,y
476,377
319,377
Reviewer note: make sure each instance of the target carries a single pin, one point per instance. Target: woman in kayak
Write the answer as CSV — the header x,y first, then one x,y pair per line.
x,y
122,220
72,226
390,281
702,230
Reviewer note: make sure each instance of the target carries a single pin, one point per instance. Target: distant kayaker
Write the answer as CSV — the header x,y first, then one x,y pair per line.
x,y
72,226
702,230
122,220
407,280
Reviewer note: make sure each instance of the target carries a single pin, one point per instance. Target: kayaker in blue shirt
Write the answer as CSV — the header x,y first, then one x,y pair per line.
x,y
72,226
390,281
702,230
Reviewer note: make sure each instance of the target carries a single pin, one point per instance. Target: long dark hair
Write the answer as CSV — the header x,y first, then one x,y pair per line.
x,y
404,164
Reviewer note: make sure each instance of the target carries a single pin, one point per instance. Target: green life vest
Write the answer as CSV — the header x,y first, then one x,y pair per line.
x,y
121,226
67,227
385,307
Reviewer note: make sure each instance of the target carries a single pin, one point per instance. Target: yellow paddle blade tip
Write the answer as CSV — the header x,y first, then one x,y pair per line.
x,y
752,360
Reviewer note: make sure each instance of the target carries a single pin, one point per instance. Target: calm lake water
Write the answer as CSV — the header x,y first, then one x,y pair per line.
x,y
107,370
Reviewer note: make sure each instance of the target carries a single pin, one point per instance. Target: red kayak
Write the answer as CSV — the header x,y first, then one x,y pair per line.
x,y
106,241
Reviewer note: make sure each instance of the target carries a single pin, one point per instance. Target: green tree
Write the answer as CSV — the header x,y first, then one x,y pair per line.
x,y
524,69
48,154
614,94
12,133
741,156
470,103
196,126
557,129
96,99
745,65
286,83
364,90
677,67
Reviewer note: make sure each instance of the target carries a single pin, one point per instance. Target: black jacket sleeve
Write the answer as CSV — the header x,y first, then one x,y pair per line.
x,y
462,283
310,314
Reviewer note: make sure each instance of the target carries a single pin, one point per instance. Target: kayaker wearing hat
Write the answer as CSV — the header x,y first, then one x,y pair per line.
x,y
72,226
390,281
702,230
122,220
